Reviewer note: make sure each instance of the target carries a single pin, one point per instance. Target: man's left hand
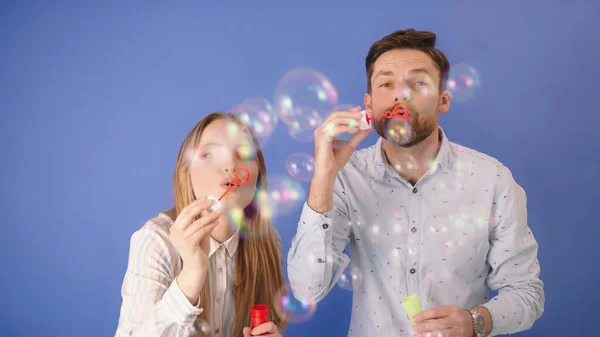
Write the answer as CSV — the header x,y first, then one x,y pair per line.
x,y
444,321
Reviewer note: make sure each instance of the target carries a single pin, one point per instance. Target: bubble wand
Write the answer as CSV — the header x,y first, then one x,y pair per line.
x,y
399,111
217,205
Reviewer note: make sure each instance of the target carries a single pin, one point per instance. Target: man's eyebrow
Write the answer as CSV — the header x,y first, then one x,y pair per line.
x,y
384,73
419,70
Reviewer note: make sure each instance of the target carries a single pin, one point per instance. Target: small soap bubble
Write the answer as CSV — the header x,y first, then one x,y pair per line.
x,y
398,131
300,166
351,278
204,328
463,82
298,311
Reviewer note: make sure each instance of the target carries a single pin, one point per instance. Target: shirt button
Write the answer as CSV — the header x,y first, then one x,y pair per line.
x,y
415,190
220,269
412,270
219,300
325,226
414,229
320,260
217,331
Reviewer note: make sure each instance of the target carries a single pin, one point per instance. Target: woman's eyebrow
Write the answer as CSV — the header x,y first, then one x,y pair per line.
x,y
221,144
211,143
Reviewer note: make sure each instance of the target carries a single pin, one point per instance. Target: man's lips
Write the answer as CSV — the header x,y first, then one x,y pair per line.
x,y
400,111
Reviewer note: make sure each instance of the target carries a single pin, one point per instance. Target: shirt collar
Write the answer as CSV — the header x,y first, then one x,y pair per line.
x,y
230,244
442,160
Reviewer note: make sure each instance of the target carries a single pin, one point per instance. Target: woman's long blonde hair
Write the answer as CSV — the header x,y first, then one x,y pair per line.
x,y
258,276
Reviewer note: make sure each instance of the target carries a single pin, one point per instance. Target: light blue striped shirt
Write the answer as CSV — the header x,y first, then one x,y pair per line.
x,y
154,306
460,231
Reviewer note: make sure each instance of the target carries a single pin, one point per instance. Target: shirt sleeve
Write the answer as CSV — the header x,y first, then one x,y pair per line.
x,y
316,258
153,304
513,261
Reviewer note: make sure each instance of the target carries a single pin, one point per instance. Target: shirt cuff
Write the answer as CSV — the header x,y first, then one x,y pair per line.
x,y
501,324
310,219
180,308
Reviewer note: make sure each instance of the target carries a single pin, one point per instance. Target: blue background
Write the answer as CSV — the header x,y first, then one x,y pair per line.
x,y
96,99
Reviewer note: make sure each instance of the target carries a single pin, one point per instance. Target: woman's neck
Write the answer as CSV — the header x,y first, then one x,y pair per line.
x,y
223,231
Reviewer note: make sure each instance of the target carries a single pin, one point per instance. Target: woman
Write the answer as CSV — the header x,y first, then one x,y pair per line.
x,y
191,272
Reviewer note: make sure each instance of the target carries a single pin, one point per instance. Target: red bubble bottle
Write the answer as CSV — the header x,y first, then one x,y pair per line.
x,y
259,315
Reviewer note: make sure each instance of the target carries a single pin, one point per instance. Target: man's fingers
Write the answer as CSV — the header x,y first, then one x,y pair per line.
x,y
433,313
338,129
444,333
433,325
358,137
342,116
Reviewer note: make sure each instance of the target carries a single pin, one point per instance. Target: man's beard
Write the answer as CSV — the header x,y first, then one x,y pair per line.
x,y
404,132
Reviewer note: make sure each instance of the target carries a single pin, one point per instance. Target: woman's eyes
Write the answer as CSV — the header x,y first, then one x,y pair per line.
x,y
242,154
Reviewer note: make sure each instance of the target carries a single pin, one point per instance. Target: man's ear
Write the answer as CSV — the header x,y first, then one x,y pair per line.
x,y
368,105
445,99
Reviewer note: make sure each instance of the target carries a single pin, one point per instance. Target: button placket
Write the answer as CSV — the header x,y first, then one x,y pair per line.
x,y
221,260
413,209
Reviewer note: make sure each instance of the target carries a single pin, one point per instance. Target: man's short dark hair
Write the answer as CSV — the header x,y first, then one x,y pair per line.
x,y
408,39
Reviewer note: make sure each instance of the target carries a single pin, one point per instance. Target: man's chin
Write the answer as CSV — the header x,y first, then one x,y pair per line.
x,y
405,143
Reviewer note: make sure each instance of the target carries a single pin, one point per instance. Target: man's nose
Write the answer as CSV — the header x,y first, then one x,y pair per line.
x,y
404,94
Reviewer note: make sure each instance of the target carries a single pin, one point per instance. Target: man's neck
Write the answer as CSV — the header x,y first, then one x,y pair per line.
x,y
412,163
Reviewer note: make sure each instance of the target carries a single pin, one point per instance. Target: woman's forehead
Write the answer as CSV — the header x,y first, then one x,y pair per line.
x,y
226,132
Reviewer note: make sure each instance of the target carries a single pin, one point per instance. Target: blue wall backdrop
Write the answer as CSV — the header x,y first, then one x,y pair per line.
x,y
95,100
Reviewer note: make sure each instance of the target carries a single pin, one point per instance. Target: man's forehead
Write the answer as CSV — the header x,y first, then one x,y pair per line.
x,y
404,60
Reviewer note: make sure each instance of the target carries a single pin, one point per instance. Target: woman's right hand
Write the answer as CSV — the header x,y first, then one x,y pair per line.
x,y
191,240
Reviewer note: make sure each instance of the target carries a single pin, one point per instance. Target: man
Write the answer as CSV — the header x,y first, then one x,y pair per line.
x,y
423,216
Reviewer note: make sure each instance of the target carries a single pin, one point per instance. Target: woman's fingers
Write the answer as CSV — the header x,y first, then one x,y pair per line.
x,y
201,223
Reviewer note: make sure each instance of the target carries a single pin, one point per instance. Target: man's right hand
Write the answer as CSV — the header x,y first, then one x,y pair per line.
x,y
332,154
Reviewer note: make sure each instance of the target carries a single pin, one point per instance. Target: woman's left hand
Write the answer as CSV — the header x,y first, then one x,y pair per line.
x,y
269,329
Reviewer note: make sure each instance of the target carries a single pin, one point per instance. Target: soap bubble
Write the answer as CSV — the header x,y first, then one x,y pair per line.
x,y
463,82
398,131
306,88
298,311
300,166
350,278
305,123
259,115
282,196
